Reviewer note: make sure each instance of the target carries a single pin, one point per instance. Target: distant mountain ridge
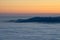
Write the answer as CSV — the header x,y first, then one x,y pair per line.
x,y
38,19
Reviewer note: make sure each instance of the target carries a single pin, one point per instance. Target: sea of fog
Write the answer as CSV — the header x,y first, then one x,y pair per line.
x,y
27,31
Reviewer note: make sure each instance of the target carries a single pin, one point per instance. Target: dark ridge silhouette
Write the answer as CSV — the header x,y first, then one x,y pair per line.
x,y
38,19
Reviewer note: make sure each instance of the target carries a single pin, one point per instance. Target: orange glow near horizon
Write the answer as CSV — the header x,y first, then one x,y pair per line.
x,y
30,6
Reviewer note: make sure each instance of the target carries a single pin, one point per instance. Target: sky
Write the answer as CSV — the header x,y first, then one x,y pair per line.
x,y
29,6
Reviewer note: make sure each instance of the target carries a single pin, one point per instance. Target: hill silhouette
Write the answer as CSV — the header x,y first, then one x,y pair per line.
x,y
38,19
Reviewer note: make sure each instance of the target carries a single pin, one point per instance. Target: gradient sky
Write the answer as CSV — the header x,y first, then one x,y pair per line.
x,y
30,6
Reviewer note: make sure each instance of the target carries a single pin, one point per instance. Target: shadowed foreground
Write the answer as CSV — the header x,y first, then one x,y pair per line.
x,y
38,19
28,31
